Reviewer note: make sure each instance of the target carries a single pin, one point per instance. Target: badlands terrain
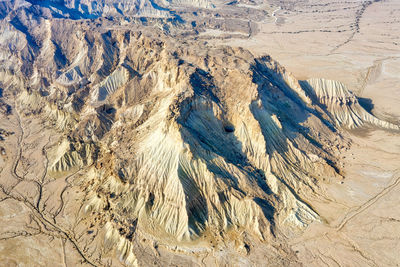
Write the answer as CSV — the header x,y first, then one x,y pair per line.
x,y
199,133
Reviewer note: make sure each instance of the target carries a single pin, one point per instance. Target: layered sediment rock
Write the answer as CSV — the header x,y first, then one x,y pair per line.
x,y
180,142
342,104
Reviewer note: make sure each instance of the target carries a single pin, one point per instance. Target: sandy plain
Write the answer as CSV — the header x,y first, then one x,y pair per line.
x,y
357,43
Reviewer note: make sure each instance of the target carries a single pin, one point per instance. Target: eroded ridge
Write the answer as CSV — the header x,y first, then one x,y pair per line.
x,y
134,148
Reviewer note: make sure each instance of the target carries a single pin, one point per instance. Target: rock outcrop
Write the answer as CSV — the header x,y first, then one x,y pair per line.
x,y
179,143
342,105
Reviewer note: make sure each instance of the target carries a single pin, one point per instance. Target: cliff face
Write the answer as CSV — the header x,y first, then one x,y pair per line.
x,y
343,105
89,9
179,143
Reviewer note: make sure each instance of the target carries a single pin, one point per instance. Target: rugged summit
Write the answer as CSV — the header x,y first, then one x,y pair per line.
x,y
157,146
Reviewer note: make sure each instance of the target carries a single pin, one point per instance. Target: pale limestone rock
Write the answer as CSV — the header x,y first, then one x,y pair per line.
x,y
343,105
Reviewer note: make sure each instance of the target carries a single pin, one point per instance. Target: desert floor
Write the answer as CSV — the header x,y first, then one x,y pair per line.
x,y
363,215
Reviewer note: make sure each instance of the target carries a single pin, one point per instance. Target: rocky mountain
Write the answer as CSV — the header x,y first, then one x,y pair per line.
x,y
107,8
135,144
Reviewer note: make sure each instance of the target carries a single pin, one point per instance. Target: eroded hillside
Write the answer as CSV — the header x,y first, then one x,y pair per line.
x,y
124,146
